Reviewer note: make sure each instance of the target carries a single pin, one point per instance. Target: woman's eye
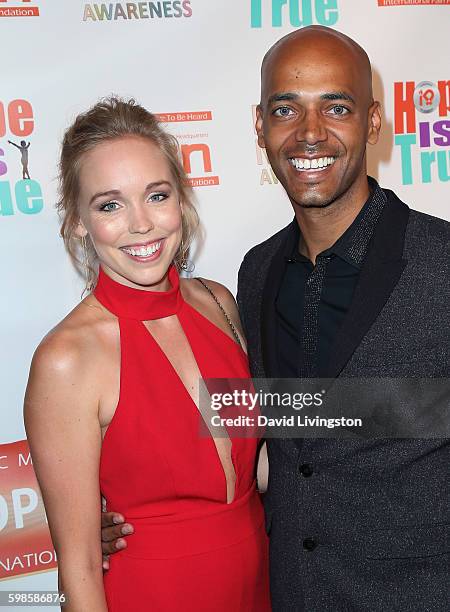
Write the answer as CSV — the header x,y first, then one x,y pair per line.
x,y
339,110
109,206
282,111
158,197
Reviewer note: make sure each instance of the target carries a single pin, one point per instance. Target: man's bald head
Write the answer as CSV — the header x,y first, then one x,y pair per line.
x,y
317,108
323,42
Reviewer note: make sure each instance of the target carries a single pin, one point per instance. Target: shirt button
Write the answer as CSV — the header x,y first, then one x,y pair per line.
x,y
309,544
306,470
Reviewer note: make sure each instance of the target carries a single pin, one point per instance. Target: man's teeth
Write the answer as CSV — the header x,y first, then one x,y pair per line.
x,y
144,251
318,163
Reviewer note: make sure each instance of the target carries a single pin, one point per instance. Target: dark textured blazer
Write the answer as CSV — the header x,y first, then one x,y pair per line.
x,y
377,511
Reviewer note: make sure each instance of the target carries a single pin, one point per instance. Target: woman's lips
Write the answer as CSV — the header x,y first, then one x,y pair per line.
x,y
144,253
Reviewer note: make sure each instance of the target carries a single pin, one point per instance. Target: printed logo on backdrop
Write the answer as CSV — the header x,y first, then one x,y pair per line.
x,y
113,11
20,192
18,8
25,543
266,174
412,2
296,13
192,132
422,130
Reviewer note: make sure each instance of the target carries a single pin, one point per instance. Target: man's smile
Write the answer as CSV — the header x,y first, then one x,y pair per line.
x,y
307,163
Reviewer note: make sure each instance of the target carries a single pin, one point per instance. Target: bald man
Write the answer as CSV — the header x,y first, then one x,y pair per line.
x,y
357,285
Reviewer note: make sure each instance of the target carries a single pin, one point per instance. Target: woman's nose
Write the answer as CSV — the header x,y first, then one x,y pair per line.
x,y
140,221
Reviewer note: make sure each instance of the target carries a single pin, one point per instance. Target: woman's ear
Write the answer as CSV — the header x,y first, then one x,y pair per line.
x,y
80,230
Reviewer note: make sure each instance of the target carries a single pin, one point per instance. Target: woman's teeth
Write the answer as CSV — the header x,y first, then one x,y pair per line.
x,y
143,251
318,163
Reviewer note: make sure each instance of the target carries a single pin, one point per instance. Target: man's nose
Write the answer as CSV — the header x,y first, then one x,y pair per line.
x,y
311,128
140,219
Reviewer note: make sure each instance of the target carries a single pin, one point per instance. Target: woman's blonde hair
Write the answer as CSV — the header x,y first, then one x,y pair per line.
x,y
112,118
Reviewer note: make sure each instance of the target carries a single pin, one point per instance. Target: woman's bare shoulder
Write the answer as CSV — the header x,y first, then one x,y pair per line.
x,y
199,296
198,290
82,333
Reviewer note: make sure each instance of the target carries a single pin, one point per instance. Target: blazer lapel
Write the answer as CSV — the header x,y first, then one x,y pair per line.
x,y
380,273
268,312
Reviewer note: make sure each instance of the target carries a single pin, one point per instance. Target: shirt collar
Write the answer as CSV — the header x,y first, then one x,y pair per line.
x,y
353,244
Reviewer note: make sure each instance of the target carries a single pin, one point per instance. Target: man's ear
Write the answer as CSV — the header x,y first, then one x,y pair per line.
x,y
259,126
80,230
374,119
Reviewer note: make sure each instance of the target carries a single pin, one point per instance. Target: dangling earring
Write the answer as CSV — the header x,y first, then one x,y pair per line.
x,y
183,259
86,266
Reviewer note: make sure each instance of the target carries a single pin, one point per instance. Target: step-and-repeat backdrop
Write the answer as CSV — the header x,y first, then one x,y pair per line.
x,y
196,63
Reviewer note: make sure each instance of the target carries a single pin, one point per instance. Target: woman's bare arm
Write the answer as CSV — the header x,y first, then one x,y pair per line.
x,y
61,419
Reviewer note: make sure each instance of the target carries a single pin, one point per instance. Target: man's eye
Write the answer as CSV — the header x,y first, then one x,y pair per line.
x,y
158,197
282,111
339,110
109,206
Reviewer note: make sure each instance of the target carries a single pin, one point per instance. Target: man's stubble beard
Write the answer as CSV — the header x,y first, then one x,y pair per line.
x,y
309,206
318,201
314,201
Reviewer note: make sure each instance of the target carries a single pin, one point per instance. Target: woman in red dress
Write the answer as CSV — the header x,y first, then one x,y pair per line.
x,y
112,404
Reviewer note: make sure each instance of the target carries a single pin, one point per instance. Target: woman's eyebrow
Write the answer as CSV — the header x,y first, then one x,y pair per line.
x,y
111,192
117,192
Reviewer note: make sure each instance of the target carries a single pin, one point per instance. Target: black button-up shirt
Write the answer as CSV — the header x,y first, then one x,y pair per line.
x,y
313,300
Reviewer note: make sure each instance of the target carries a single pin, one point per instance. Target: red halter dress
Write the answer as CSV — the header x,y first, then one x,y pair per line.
x,y
190,551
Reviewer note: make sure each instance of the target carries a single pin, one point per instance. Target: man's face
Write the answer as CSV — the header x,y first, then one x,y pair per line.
x,y
315,118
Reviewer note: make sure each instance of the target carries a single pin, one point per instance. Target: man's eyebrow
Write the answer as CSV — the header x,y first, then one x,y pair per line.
x,y
292,97
282,97
337,95
116,192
